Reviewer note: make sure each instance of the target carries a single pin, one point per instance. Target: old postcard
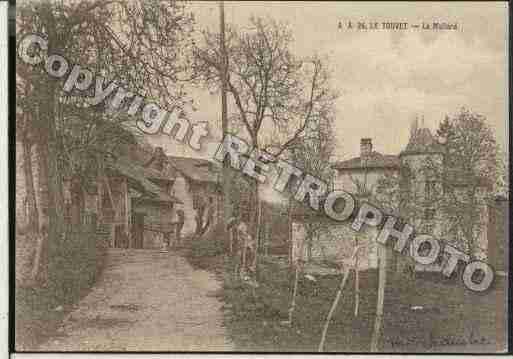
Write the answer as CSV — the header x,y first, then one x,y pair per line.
x,y
261,177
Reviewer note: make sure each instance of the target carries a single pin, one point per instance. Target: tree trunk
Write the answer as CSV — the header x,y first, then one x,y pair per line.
x,y
38,256
335,302
200,212
258,224
289,231
298,270
332,310
42,170
357,286
54,172
378,321
206,223
55,198
51,171
242,268
109,194
41,261
33,219
77,203
227,198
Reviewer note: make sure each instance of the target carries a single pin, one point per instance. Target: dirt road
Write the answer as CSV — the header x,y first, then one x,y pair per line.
x,y
146,301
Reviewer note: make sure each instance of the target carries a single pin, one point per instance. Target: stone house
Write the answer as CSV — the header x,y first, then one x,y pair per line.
x,y
144,205
361,176
167,184
130,204
195,182
197,185
147,191
114,202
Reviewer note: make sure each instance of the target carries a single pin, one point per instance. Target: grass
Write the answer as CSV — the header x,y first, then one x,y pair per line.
x,y
450,315
75,265
207,252
255,318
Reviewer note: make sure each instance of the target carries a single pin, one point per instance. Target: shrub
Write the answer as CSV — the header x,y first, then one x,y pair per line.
x,y
212,244
74,264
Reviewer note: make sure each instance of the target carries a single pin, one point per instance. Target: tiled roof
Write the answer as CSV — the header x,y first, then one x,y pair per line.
x,y
197,169
139,175
374,160
155,174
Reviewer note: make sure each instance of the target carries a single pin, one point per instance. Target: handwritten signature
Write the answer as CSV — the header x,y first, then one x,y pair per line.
x,y
430,341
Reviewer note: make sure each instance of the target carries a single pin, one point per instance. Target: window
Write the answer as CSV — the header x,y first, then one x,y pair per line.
x,y
196,200
428,228
430,190
429,214
106,203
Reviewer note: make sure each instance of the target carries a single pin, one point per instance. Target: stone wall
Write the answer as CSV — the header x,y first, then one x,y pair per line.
x,y
345,179
336,244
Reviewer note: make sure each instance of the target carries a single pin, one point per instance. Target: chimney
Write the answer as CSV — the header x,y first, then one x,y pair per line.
x,y
365,147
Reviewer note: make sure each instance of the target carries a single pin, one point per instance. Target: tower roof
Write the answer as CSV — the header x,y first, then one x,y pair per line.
x,y
422,141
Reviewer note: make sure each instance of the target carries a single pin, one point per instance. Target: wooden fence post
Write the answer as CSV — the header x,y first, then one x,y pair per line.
x,y
335,302
378,322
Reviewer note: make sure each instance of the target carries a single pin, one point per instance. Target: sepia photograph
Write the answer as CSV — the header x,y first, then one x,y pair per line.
x,y
260,177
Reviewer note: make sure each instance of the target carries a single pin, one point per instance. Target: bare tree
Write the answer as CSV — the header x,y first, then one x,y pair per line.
x,y
277,94
337,299
387,193
26,131
313,155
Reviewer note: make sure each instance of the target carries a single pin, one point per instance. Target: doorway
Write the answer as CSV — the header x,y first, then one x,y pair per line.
x,y
137,230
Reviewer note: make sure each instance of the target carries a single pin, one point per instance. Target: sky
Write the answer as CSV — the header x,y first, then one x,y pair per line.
x,y
385,77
